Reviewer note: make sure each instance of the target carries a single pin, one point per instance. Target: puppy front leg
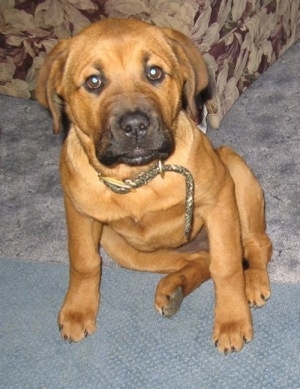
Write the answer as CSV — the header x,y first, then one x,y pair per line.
x,y
77,317
233,323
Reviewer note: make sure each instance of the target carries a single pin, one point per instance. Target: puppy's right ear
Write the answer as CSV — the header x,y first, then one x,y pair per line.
x,y
49,90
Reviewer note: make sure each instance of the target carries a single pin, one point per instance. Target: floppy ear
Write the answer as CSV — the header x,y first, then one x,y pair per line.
x,y
199,88
49,90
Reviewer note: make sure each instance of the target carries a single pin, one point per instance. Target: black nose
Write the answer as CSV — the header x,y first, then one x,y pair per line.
x,y
135,124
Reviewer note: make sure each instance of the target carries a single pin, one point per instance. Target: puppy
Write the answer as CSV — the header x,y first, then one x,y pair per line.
x,y
142,181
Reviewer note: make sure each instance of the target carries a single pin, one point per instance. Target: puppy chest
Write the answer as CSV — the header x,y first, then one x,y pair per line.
x,y
153,230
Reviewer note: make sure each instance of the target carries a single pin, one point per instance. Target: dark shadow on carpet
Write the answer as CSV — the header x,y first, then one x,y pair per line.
x,y
134,347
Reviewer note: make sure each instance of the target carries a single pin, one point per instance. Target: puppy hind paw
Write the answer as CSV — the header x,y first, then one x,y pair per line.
x,y
168,304
257,287
258,302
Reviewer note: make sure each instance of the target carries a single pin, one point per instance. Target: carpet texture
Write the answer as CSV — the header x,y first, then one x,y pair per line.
x,y
134,346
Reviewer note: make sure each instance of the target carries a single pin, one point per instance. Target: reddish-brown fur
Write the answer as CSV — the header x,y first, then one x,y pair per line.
x,y
143,230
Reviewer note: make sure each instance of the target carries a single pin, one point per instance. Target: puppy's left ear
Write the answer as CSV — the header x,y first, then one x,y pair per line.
x,y
199,88
49,90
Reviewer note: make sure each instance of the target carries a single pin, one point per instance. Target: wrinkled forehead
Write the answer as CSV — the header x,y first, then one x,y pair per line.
x,y
121,49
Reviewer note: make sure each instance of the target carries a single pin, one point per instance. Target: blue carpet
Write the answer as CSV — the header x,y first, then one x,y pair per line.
x,y
134,347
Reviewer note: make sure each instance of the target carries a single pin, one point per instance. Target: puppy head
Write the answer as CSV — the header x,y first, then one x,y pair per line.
x,y
122,84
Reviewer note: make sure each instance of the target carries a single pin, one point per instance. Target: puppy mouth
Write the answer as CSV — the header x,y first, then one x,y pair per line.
x,y
138,157
135,138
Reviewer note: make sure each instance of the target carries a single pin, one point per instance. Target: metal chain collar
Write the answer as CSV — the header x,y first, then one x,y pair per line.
x,y
123,187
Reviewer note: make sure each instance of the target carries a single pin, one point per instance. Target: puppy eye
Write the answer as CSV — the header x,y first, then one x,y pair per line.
x,y
93,82
155,73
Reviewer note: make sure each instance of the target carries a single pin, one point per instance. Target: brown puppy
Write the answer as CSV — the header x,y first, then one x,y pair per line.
x,y
130,90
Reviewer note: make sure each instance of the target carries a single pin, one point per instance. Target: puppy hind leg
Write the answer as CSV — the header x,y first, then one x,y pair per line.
x,y
159,261
186,271
257,246
175,286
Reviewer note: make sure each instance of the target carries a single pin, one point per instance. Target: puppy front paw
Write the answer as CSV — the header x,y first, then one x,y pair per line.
x,y
231,331
76,324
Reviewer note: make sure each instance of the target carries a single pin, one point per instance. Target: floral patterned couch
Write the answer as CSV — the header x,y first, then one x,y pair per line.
x,y
240,39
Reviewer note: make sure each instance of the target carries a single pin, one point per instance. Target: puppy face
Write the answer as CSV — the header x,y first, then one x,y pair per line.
x,y
122,84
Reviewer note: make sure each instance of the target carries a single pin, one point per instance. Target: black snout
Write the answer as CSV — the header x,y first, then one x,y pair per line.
x,y
135,136
135,124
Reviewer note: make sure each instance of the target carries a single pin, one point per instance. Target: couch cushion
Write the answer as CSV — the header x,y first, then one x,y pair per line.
x,y
239,38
